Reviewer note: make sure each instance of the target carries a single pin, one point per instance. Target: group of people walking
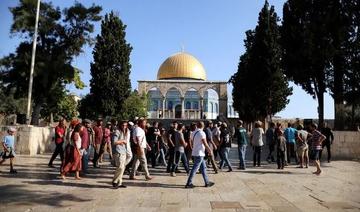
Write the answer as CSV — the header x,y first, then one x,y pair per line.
x,y
130,146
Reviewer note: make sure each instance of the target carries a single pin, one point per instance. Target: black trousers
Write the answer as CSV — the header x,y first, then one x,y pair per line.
x,y
171,160
280,158
257,155
271,150
328,148
58,150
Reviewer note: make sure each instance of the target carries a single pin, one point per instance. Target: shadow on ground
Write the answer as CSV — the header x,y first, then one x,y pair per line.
x,y
16,194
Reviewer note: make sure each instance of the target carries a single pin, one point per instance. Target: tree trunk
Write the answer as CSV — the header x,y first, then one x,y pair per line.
x,y
338,91
35,117
320,98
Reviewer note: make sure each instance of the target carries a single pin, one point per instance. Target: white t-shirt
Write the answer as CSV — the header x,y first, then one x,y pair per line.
x,y
198,146
139,133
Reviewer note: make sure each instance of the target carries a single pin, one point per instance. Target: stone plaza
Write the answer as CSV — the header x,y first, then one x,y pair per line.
x,y
38,188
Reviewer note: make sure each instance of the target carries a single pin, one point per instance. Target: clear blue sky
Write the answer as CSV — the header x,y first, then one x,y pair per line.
x,y
211,30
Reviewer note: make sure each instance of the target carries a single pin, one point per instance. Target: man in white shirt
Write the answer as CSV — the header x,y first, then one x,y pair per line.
x,y
198,139
141,145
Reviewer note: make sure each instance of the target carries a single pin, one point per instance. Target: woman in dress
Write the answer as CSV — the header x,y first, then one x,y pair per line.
x,y
72,160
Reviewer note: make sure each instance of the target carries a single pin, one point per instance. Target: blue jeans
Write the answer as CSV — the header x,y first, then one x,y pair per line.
x,y
242,153
180,156
199,162
85,160
224,152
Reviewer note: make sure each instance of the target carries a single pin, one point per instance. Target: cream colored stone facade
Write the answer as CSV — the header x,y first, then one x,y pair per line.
x,y
30,140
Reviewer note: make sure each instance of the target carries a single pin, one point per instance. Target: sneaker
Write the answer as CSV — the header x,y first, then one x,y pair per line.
x,y
132,178
122,186
13,171
230,170
189,186
209,184
172,174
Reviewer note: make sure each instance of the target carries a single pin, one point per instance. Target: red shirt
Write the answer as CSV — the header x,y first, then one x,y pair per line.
x,y
98,134
85,141
107,135
59,134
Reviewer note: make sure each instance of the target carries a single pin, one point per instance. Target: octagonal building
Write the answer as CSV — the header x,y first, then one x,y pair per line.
x,y
181,91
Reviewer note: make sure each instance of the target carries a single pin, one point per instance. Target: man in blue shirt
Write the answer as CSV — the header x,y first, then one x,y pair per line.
x,y
290,135
8,144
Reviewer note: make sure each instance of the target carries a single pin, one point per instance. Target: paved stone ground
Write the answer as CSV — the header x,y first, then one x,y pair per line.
x,y
38,188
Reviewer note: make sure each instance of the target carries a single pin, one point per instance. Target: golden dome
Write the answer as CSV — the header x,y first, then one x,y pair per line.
x,y
181,66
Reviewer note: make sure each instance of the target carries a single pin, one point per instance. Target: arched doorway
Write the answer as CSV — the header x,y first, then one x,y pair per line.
x,y
178,111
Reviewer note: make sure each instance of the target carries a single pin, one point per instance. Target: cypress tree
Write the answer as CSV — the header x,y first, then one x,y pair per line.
x,y
110,71
260,86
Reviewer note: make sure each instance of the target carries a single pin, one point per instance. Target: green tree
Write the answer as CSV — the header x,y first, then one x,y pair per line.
x,y
260,87
320,41
110,71
86,107
134,106
61,36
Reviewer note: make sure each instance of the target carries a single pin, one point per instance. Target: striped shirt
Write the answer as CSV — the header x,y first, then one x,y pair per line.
x,y
316,144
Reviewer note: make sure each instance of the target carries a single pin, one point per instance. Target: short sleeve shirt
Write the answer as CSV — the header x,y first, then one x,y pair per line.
x,y
178,137
118,135
9,141
198,146
315,138
140,134
257,134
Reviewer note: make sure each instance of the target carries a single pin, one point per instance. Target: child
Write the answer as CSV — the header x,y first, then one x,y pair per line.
x,y
281,149
9,151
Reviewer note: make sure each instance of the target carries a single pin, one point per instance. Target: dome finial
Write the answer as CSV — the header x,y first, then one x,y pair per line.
x,y
182,48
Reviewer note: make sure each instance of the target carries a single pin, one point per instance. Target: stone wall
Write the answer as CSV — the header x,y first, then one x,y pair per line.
x,y
31,140
346,145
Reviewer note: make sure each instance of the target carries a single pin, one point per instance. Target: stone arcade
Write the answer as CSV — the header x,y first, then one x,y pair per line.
x,y
181,91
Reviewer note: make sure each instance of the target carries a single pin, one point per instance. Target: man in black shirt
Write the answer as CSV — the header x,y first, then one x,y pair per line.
x,y
328,141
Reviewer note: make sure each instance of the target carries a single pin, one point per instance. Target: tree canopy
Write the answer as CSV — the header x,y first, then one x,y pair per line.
x,y
260,86
110,83
61,36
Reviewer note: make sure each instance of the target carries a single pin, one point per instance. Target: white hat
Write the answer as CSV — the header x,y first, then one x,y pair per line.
x,y
131,123
11,129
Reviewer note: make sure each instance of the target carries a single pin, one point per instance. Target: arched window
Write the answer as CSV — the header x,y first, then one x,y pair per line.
x,y
188,105
196,105
170,105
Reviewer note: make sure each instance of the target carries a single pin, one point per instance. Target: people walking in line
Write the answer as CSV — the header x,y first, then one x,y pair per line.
x,y
141,146
72,160
60,130
257,142
326,130
180,146
289,134
280,149
212,145
8,144
302,146
98,130
242,141
198,139
121,153
271,141
225,146
316,141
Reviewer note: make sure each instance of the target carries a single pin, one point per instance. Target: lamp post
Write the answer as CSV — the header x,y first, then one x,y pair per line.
x,y
28,111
